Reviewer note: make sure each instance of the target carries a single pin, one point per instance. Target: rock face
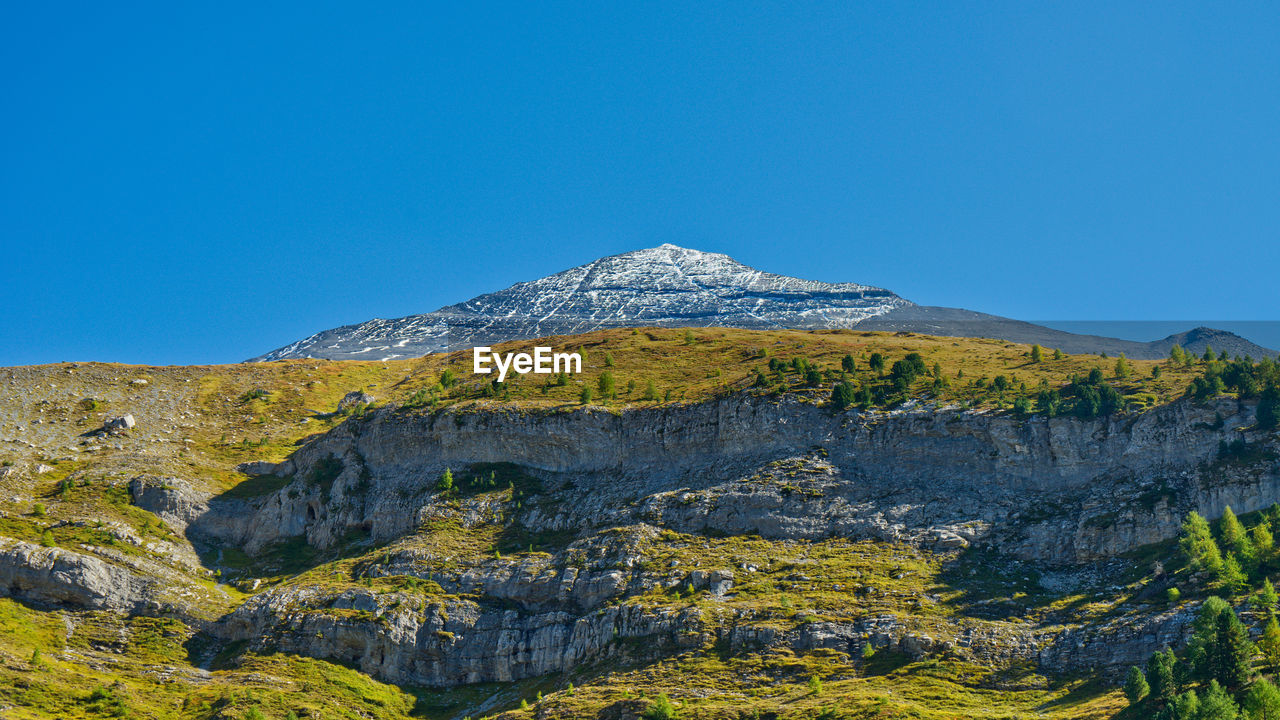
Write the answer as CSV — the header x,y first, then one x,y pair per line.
x,y
1058,490
54,576
412,639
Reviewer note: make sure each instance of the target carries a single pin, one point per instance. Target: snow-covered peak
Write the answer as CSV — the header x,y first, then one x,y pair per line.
x,y
666,286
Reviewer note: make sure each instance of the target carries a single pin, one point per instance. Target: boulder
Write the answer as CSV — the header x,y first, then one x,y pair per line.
x,y
257,468
119,424
352,399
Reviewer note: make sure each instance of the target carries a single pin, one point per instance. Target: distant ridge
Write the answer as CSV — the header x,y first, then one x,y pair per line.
x,y
671,286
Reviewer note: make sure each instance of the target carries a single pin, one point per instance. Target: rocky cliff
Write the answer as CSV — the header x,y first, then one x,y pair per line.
x,y
1057,490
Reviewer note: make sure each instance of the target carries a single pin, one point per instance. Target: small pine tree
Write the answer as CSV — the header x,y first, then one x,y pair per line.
x,y
1135,685
1037,353
1231,654
1262,541
1262,702
36,659
1230,576
1216,704
660,709
1269,643
585,396
1177,355
847,364
1057,354
608,359
1234,537
1184,707
1269,408
445,483
815,685
876,362
1122,367
1161,684
650,392
604,384
843,395
1198,545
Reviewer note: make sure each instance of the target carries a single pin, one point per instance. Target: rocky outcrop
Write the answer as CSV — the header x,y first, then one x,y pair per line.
x,y
1058,490
447,641
1118,643
58,577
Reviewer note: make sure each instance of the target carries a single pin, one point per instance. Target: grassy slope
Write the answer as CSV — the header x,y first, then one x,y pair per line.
x,y
194,423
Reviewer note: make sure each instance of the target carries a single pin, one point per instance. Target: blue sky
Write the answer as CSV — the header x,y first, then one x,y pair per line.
x,y
206,183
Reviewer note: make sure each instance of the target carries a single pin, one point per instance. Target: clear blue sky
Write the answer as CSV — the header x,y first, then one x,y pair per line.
x,y
208,182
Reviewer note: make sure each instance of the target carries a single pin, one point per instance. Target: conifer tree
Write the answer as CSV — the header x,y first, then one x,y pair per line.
x,y
1198,545
1269,408
1265,599
1262,702
1234,537
1037,353
1161,682
1135,686
843,395
1216,704
1231,651
1230,576
1122,367
1269,643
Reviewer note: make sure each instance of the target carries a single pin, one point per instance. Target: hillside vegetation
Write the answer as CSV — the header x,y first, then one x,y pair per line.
x,y
65,488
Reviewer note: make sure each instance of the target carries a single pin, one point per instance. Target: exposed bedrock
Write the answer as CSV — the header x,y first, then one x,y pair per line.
x,y
1058,490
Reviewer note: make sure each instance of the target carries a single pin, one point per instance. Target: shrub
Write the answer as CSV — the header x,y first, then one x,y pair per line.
x,y
843,395
815,685
445,483
660,709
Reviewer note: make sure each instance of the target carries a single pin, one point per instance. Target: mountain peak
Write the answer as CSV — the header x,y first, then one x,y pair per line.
x,y
667,286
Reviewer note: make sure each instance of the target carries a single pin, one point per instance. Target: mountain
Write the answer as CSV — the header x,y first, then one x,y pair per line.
x,y
671,286
666,286
954,322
